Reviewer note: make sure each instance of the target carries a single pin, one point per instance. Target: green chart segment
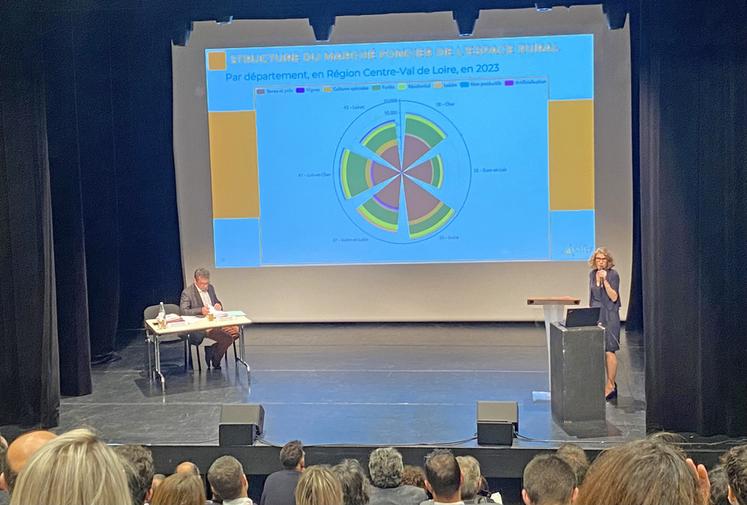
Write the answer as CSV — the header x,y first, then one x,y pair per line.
x,y
399,172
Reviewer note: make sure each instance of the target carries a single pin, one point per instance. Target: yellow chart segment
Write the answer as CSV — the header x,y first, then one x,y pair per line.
x,y
233,164
571,129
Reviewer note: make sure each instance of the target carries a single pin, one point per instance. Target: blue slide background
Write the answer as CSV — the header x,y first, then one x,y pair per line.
x,y
492,107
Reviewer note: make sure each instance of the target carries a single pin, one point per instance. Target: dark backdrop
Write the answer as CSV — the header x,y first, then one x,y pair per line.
x,y
691,77
29,388
86,131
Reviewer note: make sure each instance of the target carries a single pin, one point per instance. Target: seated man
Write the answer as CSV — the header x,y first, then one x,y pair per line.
x,y
197,299
385,467
140,479
548,480
19,453
443,477
227,480
280,487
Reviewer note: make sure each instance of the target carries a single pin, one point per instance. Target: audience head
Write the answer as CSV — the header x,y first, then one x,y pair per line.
x,y
187,467
643,472
227,479
471,476
735,466
576,458
292,456
413,476
443,477
548,480
719,486
3,450
667,437
318,486
19,453
385,467
353,481
179,489
74,468
157,479
140,460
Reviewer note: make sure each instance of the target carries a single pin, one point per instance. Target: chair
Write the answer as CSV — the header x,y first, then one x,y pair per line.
x,y
151,312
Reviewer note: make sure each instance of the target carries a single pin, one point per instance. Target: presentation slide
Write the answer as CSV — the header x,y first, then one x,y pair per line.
x,y
478,150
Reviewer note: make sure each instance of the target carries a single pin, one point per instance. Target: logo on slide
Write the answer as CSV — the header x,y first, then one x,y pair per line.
x,y
402,171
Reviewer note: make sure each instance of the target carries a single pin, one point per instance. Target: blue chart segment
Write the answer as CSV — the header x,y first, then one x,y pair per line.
x,y
390,171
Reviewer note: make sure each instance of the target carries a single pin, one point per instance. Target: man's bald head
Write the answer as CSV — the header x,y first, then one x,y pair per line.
x,y
188,467
20,452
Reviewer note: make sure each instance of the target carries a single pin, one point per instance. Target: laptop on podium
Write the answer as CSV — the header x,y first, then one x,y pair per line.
x,y
576,318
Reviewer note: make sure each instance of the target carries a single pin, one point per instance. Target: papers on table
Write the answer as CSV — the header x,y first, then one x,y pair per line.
x,y
219,314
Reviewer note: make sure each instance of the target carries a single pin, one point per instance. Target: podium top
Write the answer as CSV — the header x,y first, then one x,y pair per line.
x,y
553,300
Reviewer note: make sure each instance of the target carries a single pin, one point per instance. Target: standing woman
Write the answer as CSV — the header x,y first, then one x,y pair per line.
x,y
604,292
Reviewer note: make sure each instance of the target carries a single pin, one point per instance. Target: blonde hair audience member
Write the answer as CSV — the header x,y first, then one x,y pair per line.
x,y
318,486
73,469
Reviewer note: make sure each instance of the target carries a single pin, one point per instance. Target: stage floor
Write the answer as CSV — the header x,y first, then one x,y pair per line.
x,y
352,384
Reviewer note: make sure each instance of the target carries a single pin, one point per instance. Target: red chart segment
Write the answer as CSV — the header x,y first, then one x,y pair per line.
x,y
430,172
384,180
425,212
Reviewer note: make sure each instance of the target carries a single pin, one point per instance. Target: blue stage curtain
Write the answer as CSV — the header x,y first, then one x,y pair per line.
x,y
691,71
29,364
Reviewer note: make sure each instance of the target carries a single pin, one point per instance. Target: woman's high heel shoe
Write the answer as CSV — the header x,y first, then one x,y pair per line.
x,y
612,395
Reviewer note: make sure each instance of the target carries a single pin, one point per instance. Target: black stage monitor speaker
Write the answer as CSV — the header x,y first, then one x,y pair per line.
x,y
240,424
497,422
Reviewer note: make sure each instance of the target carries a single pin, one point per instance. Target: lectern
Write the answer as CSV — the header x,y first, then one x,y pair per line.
x,y
577,375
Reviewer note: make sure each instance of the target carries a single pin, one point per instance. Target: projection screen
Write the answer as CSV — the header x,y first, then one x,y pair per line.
x,y
400,172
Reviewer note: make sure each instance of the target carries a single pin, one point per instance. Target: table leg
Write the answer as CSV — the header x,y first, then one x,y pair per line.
x,y
242,350
158,362
148,342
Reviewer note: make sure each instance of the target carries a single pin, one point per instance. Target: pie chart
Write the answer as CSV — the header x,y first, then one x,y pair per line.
x,y
402,171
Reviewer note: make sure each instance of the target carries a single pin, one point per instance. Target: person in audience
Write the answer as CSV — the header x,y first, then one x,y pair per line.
x,y
4,498
280,486
576,458
548,480
157,479
140,479
385,468
735,467
413,476
353,481
644,472
18,454
318,486
227,480
719,486
187,467
472,480
179,489
73,469
443,477
198,299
